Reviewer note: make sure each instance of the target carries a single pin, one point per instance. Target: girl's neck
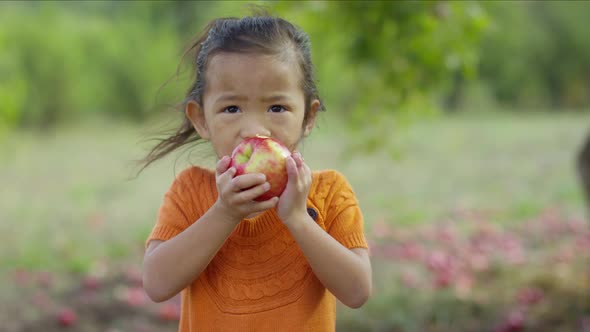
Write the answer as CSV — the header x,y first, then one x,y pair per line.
x,y
253,215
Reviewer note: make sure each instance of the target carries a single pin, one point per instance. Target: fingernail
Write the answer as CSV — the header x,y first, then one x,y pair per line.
x,y
266,186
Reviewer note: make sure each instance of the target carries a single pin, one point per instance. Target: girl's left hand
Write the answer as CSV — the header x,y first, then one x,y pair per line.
x,y
292,203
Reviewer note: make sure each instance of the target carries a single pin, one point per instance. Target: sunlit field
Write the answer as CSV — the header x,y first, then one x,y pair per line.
x,y
477,224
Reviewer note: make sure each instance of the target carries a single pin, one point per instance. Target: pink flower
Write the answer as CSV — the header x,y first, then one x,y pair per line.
x,y
565,255
516,256
136,297
42,300
381,229
478,262
91,283
513,249
463,284
513,323
438,261
411,251
134,276
409,279
389,251
22,277
446,234
45,279
443,279
583,242
577,226
529,296
67,317
169,312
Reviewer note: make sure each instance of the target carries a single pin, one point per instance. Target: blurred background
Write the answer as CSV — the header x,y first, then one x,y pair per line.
x,y
458,123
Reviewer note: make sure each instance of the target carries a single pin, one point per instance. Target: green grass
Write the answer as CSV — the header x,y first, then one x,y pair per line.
x,y
514,166
69,198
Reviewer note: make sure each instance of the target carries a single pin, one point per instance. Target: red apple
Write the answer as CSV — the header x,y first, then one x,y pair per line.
x,y
266,155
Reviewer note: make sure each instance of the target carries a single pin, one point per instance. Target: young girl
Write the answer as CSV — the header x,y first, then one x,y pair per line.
x,y
243,265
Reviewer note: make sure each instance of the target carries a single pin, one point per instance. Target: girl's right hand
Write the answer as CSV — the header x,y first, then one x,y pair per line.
x,y
237,194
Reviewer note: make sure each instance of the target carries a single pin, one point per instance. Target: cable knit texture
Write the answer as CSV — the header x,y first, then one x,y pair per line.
x,y
259,280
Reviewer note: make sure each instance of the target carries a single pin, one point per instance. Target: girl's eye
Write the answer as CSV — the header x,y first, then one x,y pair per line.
x,y
277,109
231,109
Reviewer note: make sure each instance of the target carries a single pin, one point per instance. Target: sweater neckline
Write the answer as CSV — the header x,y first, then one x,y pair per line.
x,y
265,224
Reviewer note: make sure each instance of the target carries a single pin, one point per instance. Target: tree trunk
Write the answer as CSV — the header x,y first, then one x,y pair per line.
x,y
584,170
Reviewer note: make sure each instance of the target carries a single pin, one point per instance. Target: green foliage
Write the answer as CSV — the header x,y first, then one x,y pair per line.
x,y
536,54
111,58
398,47
382,59
375,60
65,64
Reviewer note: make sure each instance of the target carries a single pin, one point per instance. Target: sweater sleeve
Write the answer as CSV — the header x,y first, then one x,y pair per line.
x,y
177,209
344,219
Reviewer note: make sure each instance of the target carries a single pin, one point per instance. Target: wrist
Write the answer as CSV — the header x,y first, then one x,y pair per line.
x,y
223,214
296,220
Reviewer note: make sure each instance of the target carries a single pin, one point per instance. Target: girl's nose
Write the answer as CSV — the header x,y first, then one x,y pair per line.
x,y
254,128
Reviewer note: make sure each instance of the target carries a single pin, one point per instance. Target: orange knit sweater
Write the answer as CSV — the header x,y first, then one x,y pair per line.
x,y
259,280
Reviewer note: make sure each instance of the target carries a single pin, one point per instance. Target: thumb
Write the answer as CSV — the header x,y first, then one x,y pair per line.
x,y
222,165
291,168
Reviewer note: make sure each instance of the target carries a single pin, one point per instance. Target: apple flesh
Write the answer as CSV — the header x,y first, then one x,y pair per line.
x,y
266,155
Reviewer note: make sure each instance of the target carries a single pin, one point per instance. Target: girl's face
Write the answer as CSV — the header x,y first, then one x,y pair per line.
x,y
248,95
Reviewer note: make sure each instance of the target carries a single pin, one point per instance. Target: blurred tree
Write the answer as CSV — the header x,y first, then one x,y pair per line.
x,y
374,57
536,54
90,58
378,58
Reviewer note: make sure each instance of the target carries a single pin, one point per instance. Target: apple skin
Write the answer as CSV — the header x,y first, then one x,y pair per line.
x,y
266,155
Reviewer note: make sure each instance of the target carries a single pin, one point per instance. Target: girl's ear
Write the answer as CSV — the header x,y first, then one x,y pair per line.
x,y
313,110
194,112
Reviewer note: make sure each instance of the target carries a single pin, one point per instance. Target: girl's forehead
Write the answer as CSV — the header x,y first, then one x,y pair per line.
x,y
252,71
227,62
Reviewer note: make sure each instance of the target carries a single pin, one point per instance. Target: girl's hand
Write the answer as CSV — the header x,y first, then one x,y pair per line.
x,y
237,194
293,201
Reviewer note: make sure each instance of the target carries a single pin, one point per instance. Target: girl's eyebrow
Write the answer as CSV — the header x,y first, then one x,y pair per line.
x,y
230,97
233,97
275,98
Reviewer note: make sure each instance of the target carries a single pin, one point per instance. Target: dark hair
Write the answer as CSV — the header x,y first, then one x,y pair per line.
x,y
261,33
